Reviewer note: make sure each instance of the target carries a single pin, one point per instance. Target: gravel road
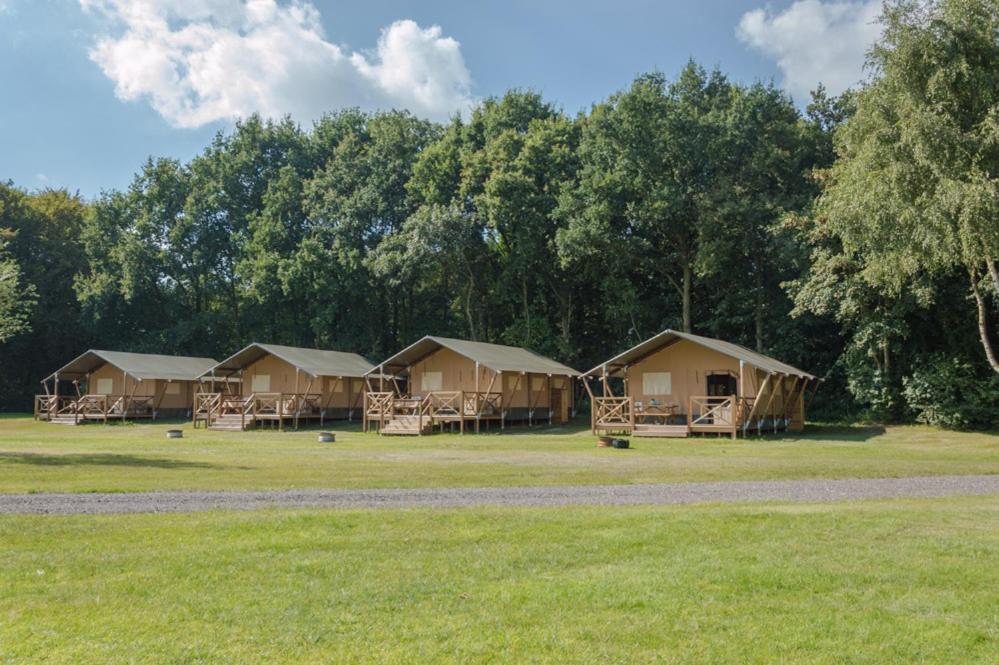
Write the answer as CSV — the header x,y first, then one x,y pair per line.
x,y
813,490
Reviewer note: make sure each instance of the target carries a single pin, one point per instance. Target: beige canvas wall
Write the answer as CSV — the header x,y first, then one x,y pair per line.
x,y
343,393
336,393
169,395
458,373
689,364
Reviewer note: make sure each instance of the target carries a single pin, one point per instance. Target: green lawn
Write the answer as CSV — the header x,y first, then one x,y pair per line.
x,y
37,456
906,581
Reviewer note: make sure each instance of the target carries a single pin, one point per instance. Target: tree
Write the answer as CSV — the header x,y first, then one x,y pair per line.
x,y
42,238
763,160
649,160
913,192
16,298
357,197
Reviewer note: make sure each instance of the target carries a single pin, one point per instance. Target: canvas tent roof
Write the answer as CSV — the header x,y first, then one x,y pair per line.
x,y
496,357
315,362
666,337
144,366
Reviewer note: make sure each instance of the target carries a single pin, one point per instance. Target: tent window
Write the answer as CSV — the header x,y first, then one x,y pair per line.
x,y
261,383
657,383
537,383
431,381
173,388
337,385
105,386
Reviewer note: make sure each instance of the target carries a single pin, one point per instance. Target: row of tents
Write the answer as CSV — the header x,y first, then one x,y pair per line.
x,y
673,384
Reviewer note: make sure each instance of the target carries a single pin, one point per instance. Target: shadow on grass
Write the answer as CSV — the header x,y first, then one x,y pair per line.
x,y
39,459
842,432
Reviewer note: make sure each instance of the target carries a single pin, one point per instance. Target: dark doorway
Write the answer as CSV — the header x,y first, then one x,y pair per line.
x,y
721,385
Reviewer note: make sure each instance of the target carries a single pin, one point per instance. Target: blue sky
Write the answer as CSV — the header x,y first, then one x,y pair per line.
x,y
91,88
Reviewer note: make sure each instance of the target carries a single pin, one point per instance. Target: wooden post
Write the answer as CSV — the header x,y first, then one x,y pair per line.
x,y
476,399
350,401
550,400
756,404
502,400
773,394
593,404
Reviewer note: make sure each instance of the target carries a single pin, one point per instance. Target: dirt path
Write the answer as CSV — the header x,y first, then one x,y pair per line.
x,y
816,490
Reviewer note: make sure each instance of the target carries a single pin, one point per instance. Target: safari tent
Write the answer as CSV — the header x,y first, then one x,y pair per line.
x,y
270,383
675,384
453,382
102,385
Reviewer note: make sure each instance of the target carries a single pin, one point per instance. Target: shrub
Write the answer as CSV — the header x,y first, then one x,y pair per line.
x,y
952,393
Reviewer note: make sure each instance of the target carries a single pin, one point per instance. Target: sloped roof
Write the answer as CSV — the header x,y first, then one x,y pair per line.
x,y
657,342
146,366
496,357
315,362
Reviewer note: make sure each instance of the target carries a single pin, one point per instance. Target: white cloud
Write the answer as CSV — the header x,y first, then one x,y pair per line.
x,y
199,61
815,42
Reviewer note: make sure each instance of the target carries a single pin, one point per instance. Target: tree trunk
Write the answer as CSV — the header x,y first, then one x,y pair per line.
x,y
469,293
983,323
469,315
527,308
758,310
688,278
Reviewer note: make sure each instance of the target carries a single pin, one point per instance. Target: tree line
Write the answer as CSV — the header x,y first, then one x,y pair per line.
x,y
854,238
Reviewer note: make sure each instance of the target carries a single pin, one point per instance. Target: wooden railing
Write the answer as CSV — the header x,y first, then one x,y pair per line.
x,y
483,404
717,412
46,405
377,408
94,406
435,406
206,408
613,414
445,404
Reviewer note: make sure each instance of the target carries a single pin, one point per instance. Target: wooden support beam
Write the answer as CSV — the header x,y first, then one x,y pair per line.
x,y
593,403
549,400
778,384
756,404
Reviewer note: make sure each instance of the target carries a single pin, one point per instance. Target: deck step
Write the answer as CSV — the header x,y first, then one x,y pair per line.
x,y
232,423
406,425
64,420
664,431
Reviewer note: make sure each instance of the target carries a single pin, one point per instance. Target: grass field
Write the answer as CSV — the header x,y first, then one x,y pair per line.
x,y
37,456
876,582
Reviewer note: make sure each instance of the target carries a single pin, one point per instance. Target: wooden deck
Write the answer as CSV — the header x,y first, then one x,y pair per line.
x,y
219,411
394,414
66,410
730,416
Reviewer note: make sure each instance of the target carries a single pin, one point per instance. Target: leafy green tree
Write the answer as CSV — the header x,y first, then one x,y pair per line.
x,y
649,159
41,233
357,197
764,157
16,298
912,194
